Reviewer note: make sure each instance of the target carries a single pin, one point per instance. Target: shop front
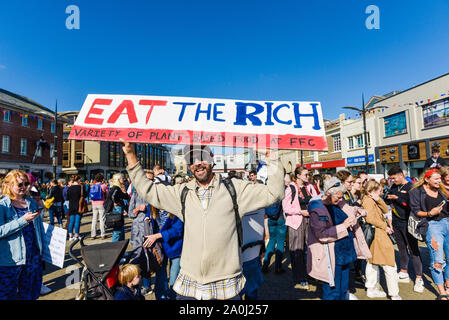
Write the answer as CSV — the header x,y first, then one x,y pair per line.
x,y
326,167
357,164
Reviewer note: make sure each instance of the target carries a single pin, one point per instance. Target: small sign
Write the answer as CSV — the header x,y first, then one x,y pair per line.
x,y
54,245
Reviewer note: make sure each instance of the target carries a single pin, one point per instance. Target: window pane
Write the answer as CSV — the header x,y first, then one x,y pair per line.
x,y
396,124
5,144
24,120
23,146
436,113
39,124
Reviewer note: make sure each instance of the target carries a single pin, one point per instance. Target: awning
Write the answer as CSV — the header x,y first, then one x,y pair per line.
x,y
325,164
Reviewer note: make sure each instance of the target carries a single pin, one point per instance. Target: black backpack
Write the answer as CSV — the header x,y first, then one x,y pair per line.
x,y
231,189
164,182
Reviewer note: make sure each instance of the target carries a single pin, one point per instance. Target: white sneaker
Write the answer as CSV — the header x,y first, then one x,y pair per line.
x,y
396,298
44,289
350,296
403,277
419,285
375,293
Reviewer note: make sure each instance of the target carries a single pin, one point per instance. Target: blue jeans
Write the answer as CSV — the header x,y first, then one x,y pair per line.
x,y
278,232
437,240
75,220
161,284
175,266
118,234
341,284
55,211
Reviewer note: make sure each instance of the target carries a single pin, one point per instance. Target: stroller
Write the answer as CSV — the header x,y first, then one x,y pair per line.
x,y
99,278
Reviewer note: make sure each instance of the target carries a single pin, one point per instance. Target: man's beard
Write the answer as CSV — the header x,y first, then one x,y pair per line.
x,y
206,177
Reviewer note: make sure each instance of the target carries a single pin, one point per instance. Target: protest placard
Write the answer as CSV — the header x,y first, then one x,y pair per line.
x,y
219,122
54,245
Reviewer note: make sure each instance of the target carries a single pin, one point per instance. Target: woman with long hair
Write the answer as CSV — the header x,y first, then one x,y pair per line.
x,y
381,248
74,195
120,198
21,240
297,196
445,176
428,202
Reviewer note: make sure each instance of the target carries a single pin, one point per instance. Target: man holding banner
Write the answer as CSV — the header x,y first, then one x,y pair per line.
x,y
211,258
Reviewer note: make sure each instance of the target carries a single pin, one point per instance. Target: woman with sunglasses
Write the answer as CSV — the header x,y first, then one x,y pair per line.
x,y
297,196
428,202
21,240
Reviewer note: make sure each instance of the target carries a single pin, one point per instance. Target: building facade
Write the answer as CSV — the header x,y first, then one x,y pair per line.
x,y
23,123
411,124
330,161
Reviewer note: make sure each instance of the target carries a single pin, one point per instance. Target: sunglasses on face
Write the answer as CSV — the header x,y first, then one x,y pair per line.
x,y
20,185
335,185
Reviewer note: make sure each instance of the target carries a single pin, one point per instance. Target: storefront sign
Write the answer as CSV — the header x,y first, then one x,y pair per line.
x,y
360,159
175,120
325,164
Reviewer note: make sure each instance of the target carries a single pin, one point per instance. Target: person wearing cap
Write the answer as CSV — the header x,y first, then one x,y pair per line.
x,y
435,161
211,260
335,240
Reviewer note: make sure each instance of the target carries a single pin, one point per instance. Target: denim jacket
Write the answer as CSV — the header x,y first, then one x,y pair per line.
x,y
12,242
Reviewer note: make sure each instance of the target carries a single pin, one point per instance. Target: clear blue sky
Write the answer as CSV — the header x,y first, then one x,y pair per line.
x,y
274,50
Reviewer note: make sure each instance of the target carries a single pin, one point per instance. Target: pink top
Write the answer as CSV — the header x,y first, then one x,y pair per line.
x,y
293,217
104,189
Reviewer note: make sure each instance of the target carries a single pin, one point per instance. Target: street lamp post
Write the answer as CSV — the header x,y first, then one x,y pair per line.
x,y
55,157
363,112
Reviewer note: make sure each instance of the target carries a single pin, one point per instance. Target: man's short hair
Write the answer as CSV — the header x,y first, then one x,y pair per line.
x,y
435,150
157,167
395,170
254,172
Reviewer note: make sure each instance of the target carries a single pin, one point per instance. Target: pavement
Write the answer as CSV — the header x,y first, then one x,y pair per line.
x,y
65,282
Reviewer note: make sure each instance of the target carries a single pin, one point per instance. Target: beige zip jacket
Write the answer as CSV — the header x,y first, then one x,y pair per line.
x,y
210,250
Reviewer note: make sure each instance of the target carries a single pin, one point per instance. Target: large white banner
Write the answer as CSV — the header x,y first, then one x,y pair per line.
x,y
220,122
54,245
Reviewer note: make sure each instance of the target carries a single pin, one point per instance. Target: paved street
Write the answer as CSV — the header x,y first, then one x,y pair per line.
x,y
64,282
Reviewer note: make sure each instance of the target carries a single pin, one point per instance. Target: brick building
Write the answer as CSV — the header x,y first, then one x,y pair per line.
x,y
22,123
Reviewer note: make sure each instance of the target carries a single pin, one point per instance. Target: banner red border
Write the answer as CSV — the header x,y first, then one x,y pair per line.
x,y
225,139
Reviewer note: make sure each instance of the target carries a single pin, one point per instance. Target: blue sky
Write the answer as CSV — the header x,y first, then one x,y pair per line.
x,y
260,50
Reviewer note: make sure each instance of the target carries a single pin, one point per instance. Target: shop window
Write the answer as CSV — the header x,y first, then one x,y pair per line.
x,y
436,113
395,124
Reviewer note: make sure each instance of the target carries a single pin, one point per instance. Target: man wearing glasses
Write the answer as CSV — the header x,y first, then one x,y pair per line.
x,y
211,258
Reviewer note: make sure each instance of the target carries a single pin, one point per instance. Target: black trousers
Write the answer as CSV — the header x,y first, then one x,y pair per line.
x,y
407,245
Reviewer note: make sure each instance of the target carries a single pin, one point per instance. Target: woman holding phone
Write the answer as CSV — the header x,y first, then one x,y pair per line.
x,y
21,240
428,202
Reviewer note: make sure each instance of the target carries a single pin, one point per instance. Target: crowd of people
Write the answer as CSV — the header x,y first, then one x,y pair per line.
x,y
217,235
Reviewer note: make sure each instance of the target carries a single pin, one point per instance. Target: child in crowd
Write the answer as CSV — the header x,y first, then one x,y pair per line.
x,y
129,278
